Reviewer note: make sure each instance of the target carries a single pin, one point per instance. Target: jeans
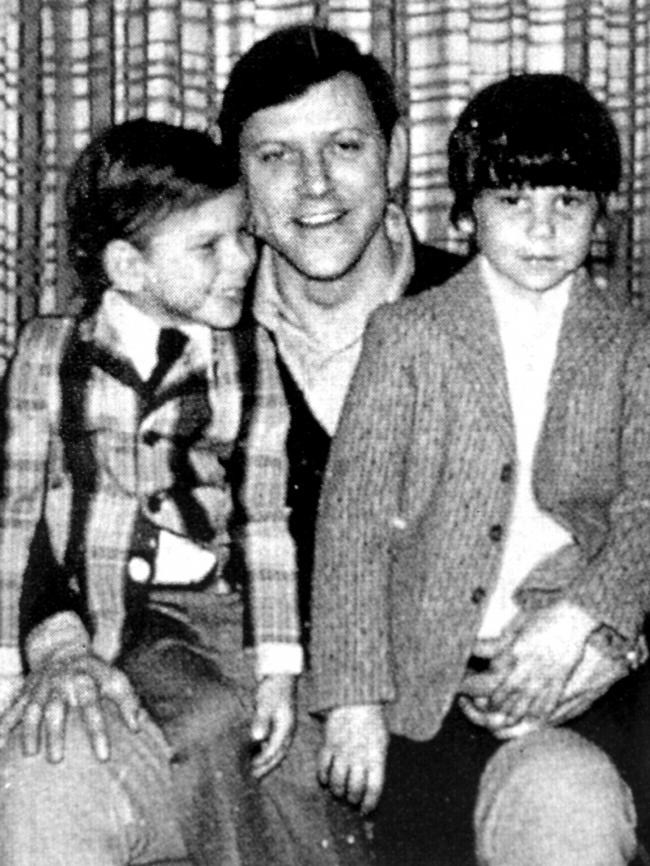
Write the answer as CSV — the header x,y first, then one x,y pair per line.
x,y
181,787
551,798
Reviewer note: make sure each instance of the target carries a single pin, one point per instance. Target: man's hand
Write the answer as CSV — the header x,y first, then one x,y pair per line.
x,y
274,721
71,681
527,679
353,758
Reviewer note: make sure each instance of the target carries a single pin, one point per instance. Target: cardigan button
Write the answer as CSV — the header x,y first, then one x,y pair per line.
x,y
496,532
507,471
155,502
478,595
150,437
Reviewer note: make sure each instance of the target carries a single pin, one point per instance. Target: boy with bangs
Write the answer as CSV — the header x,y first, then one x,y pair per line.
x,y
484,532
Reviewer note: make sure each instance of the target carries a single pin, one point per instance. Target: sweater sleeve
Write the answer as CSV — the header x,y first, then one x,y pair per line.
x,y
614,585
29,403
359,508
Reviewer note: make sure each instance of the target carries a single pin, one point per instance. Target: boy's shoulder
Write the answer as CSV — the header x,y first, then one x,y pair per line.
x,y
45,334
421,309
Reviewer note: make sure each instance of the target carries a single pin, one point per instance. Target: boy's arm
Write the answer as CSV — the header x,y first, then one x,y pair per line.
x,y
613,587
360,508
271,564
268,545
30,392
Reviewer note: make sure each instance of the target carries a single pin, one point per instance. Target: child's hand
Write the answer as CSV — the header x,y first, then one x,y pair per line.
x,y
352,760
71,681
274,721
539,662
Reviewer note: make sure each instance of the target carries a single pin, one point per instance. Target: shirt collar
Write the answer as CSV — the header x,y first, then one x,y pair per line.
x,y
133,335
349,321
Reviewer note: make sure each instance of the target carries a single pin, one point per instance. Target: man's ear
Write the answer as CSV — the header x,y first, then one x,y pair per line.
x,y
397,156
466,225
124,266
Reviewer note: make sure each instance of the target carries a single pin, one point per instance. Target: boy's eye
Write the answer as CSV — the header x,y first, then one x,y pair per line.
x,y
571,200
511,198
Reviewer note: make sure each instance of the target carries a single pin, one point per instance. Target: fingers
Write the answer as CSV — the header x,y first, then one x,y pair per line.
x,y
11,717
276,738
352,759
54,717
273,724
119,690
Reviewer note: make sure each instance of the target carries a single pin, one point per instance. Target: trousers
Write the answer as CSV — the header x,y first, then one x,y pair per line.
x,y
180,789
552,798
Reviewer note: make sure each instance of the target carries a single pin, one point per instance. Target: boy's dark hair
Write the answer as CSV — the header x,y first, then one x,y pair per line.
x,y
129,178
532,129
283,65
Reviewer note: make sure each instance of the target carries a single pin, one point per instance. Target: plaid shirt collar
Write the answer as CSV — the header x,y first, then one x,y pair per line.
x,y
128,338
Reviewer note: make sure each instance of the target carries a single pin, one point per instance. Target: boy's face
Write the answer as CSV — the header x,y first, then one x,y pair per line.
x,y
197,263
535,237
318,171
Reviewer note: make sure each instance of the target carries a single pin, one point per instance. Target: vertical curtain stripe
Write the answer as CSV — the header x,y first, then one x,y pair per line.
x,y
69,67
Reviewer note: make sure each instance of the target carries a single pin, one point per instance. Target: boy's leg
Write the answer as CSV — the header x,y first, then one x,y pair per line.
x,y
325,831
553,798
82,812
203,701
205,716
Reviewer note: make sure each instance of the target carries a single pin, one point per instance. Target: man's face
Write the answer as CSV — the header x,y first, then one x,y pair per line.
x,y
318,171
197,262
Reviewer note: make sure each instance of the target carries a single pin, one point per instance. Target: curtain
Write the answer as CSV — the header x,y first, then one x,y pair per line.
x,y
68,67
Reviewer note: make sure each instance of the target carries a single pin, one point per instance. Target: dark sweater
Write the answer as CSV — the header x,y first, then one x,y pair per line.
x,y
308,443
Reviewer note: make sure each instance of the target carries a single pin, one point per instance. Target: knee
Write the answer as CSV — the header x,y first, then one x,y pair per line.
x,y
549,794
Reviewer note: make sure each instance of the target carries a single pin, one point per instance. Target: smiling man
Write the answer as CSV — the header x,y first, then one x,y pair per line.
x,y
323,152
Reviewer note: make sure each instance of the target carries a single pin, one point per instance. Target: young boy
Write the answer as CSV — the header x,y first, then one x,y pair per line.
x,y
134,442
484,533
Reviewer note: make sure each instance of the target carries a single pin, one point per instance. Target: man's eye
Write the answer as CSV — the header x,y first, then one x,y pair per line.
x,y
273,155
347,145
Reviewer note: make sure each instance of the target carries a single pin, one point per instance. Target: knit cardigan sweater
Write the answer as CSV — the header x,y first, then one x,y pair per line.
x,y
419,489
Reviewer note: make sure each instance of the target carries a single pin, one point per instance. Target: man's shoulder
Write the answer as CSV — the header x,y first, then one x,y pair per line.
x,y
433,266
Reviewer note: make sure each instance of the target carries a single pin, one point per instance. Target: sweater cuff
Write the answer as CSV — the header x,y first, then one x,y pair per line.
x,y
278,658
61,634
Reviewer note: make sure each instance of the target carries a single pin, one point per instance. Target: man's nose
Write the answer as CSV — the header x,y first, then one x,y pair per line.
x,y
316,178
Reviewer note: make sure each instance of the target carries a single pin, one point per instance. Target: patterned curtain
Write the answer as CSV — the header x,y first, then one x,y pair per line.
x,y
68,67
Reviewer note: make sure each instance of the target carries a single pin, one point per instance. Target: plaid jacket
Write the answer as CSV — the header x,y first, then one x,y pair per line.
x,y
89,453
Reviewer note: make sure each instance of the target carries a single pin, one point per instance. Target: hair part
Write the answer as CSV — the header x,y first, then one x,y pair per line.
x,y
290,60
532,129
129,178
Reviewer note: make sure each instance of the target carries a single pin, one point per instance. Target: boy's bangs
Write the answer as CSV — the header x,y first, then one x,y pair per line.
x,y
535,170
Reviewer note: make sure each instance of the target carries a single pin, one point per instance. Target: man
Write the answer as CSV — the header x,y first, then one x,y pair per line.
x,y
323,152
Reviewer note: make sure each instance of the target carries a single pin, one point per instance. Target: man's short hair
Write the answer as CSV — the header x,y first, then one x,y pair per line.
x,y
128,179
532,129
287,62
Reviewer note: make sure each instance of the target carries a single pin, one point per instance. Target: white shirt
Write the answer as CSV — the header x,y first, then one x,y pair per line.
x,y
322,362
529,327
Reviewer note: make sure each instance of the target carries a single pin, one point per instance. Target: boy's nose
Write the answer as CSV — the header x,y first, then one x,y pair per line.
x,y
241,256
542,223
